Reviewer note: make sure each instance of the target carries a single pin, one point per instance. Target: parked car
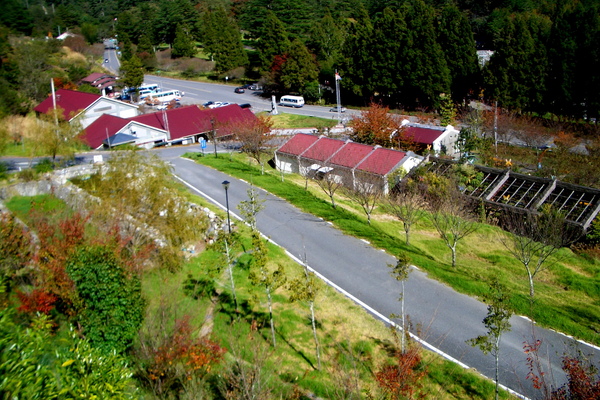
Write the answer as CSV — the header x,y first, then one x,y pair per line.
x,y
240,90
217,104
335,109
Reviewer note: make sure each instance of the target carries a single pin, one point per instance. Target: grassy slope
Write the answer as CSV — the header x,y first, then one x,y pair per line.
x,y
352,342
567,294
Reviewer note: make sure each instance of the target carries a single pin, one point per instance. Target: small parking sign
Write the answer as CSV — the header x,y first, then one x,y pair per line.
x,y
203,143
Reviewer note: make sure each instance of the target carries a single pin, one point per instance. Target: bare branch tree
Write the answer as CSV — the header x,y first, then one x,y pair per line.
x,y
407,206
453,222
496,323
366,192
400,272
251,207
307,288
328,181
534,238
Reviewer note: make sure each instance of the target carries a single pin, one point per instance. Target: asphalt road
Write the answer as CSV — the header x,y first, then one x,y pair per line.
x,y
201,92
445,319
113,65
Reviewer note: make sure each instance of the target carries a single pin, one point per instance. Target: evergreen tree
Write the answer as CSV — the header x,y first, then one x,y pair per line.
x,y
428,74
126,48
390,41
356,69
183,46
145,45
515,75
299,68
326,41
562,50
15,16
132,72
273,40
587,84
176,14
456,40
223,41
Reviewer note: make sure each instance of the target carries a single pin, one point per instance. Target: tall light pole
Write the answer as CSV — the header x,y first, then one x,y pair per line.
x,y
338,78
226,186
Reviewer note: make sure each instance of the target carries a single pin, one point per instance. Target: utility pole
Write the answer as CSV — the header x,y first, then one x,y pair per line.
x,y
496,127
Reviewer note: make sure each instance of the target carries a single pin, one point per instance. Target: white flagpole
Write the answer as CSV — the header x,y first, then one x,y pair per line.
x,y
337,95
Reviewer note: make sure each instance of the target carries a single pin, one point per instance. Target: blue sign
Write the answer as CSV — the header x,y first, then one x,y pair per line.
x,y
203,143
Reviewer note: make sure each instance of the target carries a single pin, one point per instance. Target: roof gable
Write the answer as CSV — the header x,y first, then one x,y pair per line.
x,y
105,126
72,102
381,161
423,135
191,120
91,78
323,149
298,144
351,154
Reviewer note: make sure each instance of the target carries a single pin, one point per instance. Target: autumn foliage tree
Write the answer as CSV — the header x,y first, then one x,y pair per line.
x,y
177,357
583,380
374,126
58,242
400,378
253,135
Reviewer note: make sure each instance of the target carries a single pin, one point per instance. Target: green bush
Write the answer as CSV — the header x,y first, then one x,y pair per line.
x,y
45,165
3,170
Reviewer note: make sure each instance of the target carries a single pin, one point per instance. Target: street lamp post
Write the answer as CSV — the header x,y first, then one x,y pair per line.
x,y
226,187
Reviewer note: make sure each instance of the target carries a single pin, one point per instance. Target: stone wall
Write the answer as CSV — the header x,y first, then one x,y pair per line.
x,y
57,183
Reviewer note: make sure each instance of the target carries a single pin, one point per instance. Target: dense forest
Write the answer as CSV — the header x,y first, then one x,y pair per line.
x,y
405,54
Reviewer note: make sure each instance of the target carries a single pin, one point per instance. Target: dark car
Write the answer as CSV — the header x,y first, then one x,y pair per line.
x,y
240,90
106,60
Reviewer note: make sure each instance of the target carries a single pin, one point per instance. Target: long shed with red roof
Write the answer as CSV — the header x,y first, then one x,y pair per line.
x,y
346,162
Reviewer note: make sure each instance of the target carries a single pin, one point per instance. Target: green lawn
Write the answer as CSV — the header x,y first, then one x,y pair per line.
x,y
294,121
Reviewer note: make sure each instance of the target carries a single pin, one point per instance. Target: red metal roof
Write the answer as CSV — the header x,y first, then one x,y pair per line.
x,y
191,120
323,149
375,160
72,102
298,144
351,154
381,161
91,78
423,135
101,129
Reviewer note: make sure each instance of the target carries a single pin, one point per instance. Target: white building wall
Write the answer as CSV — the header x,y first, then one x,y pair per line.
x,y
107,106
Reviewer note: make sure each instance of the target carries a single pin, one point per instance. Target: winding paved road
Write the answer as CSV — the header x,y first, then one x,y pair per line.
x,y
447,319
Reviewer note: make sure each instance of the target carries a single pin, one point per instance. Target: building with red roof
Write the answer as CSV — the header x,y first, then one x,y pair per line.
x,y
85,108
347,162
188,123
436,139
108,131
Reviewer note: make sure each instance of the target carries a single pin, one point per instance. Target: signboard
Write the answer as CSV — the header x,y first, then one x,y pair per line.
x,y
203,143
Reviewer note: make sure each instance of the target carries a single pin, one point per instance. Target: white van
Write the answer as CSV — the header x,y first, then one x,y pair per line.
x,y
291,101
